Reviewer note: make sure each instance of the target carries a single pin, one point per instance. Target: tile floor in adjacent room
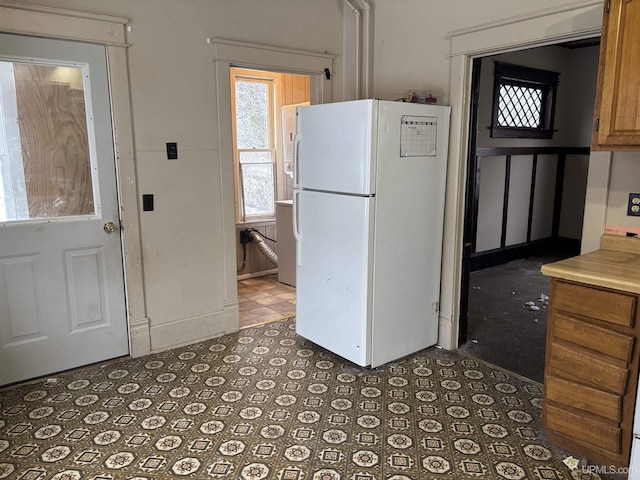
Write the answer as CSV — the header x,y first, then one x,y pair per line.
x,y
264,403
264,299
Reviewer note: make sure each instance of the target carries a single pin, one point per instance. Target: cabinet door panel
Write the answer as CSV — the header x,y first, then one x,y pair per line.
x,y
618,106
583,430
587,367
599,304
588,399
598,339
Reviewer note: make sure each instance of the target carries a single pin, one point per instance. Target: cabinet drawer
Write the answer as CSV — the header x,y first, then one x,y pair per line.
x,y
587,367
603,404
583,429
611,307
593,337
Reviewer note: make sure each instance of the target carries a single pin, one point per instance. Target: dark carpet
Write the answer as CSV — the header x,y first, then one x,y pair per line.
x,y
507,321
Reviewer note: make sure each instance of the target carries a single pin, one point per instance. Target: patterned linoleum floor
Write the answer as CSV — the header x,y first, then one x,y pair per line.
x,y
266,404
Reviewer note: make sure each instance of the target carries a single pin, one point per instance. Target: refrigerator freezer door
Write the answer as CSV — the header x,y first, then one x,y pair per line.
x,y
334,144
333,277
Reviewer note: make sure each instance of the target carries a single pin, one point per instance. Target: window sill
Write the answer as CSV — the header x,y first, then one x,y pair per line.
x,y
516,132
256,223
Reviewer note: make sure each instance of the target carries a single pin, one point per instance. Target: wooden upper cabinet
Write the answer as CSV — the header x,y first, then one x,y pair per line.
x,y
616,123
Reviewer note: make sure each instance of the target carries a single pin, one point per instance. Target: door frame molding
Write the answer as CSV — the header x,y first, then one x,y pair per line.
x,y
232,53
109,31
572,21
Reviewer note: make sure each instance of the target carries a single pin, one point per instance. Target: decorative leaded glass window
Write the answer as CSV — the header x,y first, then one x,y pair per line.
x,y
524,102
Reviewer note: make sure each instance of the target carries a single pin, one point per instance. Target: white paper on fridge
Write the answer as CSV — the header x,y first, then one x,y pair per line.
x,y
418,136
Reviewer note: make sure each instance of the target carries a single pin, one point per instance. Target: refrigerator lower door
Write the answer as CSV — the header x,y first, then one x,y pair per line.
x,y
333,274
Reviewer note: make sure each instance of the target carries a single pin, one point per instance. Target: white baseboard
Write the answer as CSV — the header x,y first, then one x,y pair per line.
x,y
231,316
187,331
263,273
139,337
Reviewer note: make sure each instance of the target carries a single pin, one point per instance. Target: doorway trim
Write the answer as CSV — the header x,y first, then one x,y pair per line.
x,y
572,21
109,31
231,53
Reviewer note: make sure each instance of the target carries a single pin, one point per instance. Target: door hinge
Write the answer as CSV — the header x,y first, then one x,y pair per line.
x,y
608,7
597,124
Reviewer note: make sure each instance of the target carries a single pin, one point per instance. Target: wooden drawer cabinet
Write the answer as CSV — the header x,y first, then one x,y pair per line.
x,y
585,430
593,337
591,371
617,112
604,305
588,399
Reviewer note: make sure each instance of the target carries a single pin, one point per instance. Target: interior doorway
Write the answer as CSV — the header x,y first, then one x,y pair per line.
x,y
263,109
524,205
228,54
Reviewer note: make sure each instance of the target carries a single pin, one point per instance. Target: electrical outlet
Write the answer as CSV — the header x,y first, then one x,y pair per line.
x,y
244,236
633,209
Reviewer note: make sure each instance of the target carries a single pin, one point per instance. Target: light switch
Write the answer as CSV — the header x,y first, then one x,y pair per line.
x,y
147,203
172,150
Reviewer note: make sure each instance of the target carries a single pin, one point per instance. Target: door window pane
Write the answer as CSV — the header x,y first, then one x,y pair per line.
x,y
45,165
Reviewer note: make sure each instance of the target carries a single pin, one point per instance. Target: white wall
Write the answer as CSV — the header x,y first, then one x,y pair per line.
x,y
490,199
578,86
411,43
625,179
541,224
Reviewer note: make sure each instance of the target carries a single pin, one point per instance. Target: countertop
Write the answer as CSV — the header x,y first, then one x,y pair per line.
x,y
615,265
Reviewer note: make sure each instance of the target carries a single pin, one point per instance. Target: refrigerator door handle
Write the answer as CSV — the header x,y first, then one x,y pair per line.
x,y
296,231
296,142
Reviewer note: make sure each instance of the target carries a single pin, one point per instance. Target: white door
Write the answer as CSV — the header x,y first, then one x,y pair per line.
x,y
61,271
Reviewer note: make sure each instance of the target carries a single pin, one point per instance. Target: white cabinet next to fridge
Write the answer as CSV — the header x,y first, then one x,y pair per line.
x,y
286,243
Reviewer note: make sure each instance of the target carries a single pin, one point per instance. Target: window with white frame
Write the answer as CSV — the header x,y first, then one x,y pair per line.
x,y
254,144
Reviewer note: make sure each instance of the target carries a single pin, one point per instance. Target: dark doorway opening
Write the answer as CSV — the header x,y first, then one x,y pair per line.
x,y
523,208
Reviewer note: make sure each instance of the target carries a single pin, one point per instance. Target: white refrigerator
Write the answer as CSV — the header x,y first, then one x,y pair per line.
x,y
368,208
